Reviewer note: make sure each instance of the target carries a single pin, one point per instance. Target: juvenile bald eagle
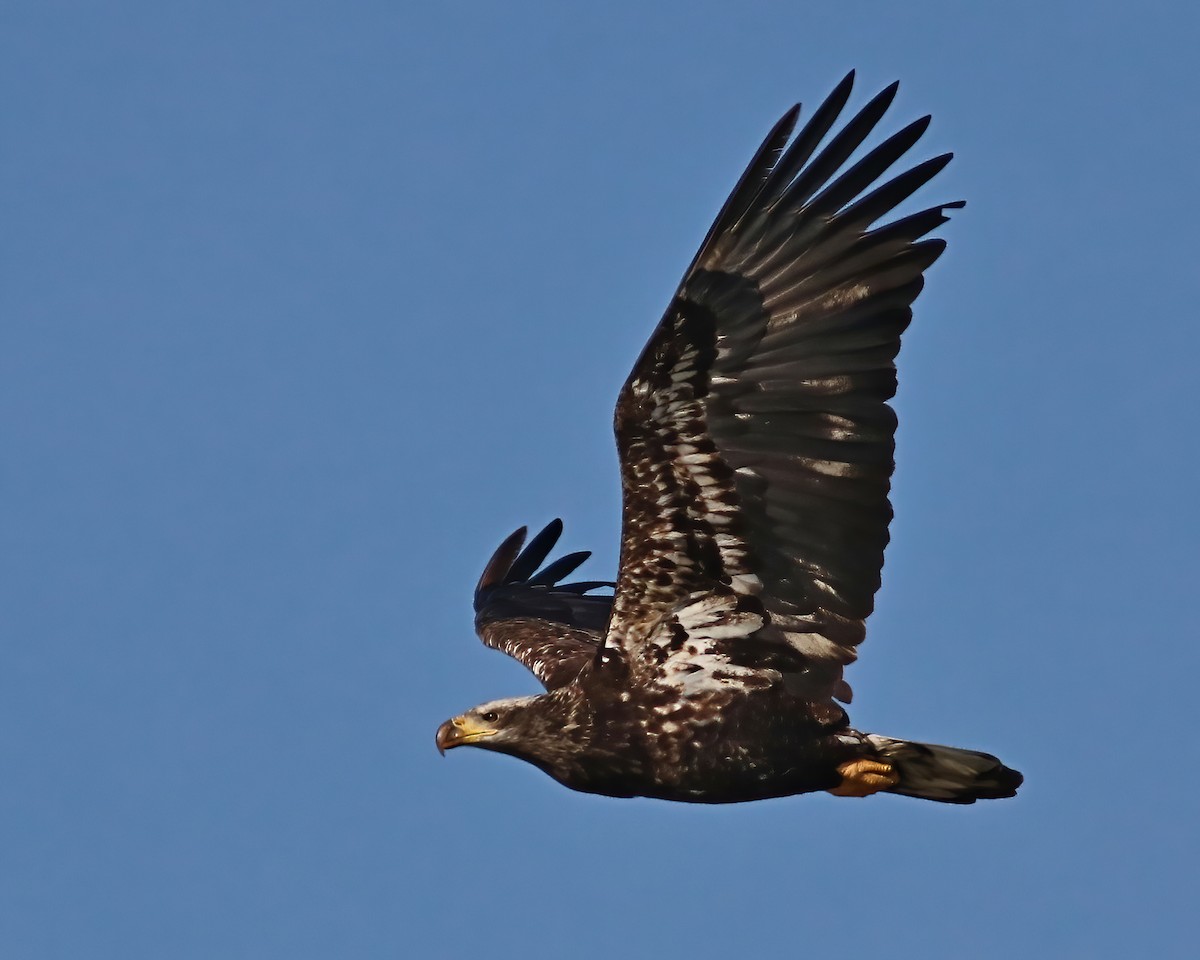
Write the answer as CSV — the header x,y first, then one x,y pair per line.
x,y
756,448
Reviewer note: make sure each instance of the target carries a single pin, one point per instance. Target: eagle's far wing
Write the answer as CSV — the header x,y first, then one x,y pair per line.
x,y
553,628
755,437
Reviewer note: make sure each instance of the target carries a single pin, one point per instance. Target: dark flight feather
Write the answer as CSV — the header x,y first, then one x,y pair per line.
x,y
553,628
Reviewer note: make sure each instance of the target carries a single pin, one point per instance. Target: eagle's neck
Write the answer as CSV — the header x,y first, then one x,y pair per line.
x,y
556,731
570,735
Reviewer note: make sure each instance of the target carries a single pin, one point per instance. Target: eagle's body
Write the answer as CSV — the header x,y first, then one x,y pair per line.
x,y
751,748
756,455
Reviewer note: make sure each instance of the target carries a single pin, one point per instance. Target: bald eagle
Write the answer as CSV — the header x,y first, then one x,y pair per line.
x,y
756,447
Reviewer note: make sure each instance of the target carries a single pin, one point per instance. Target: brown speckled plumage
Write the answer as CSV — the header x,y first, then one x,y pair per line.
x,y
756,447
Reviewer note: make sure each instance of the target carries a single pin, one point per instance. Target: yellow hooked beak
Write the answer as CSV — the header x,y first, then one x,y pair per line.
x,y
457,732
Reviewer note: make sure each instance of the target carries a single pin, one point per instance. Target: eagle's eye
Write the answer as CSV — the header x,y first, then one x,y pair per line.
x,y
490,717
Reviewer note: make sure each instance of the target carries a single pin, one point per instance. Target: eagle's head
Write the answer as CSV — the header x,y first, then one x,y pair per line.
x,y
545,730
490,725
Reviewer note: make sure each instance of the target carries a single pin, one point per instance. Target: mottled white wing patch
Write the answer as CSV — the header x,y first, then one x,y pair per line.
x,y
696,648
555,653
700,651
681,510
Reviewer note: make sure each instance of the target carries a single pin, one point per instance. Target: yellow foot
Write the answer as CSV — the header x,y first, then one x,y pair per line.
x,y
861,778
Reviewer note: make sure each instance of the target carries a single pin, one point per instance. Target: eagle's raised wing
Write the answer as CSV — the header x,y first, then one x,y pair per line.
x,y
755,438
553,628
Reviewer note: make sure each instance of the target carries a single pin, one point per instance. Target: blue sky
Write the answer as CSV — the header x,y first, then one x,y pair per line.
x,y
307,305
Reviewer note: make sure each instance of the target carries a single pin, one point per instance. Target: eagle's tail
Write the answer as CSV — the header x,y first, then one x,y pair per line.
x,y
946,774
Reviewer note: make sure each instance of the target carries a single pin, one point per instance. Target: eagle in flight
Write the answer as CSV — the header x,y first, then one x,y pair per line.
x,y
756,447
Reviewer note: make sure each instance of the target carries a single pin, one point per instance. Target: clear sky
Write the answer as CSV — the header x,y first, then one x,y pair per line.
x,y
307,305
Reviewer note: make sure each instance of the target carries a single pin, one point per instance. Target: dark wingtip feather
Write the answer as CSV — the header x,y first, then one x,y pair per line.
x,y
534,555
785,124
512,564
509,590
750,184
877,106
498,566
806,141
812,174
866,171
884,199
556,570
583,586
839,96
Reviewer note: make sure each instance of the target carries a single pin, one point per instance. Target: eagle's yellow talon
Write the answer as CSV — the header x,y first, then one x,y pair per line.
x,y
861,778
